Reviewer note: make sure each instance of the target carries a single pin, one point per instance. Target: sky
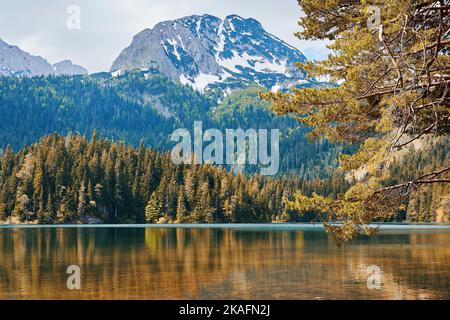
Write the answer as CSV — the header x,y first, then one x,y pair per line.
x,y
106,27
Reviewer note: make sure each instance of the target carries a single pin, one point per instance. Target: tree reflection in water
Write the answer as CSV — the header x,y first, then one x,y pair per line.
x,y
204,263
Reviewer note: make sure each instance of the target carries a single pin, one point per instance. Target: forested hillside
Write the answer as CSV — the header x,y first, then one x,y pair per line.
x,y
33,107
432,202
145,107
72,180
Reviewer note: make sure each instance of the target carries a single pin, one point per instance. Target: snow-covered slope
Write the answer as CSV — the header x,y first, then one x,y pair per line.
x,y
207,52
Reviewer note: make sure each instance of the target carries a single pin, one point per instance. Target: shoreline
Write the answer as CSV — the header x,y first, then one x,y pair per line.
x,y
271,226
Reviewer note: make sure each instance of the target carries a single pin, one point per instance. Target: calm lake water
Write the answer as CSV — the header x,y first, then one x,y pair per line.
x,y
252,262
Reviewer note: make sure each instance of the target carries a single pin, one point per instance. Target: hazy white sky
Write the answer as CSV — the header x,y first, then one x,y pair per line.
x,y
107,26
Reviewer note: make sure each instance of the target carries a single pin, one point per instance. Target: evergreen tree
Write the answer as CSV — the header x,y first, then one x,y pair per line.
x,y
182,213
154,209
392,93
81,208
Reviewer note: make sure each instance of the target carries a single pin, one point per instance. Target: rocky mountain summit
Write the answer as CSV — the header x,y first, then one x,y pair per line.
x,y
66,67
208,52
15,61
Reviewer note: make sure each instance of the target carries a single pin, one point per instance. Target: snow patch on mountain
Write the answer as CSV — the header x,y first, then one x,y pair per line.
x,y
208,52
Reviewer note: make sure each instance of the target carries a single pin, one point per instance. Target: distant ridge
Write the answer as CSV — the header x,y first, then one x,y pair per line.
x,y
15,61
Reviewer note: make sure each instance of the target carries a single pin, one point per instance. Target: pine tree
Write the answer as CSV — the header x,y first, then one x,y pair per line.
x,y
182,214
230,208
205,204
154,209
22,210
49,212
390,85
81,209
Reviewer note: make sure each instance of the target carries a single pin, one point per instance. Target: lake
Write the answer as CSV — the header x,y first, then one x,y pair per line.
x,y
223,262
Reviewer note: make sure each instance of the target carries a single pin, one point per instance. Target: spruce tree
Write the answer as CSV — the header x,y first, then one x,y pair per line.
x,y
154,209
182,214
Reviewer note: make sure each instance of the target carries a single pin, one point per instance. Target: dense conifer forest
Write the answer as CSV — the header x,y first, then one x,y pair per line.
x,y
125,175
71,179
142,107
146,108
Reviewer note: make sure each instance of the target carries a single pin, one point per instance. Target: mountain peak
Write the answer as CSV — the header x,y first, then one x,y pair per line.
x,y
66,67
15,61
234,16
249,23
206,51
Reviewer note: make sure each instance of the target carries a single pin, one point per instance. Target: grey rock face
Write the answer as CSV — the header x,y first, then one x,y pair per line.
x,y
207,52
66,67
16,62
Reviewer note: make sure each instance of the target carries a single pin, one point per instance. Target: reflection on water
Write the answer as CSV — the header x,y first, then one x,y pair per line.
x,y
183,263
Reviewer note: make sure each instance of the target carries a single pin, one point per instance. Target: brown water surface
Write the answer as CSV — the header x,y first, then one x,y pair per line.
x,y
221,263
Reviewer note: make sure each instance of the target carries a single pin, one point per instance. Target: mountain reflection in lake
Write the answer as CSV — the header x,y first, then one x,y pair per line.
x,y
203,263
